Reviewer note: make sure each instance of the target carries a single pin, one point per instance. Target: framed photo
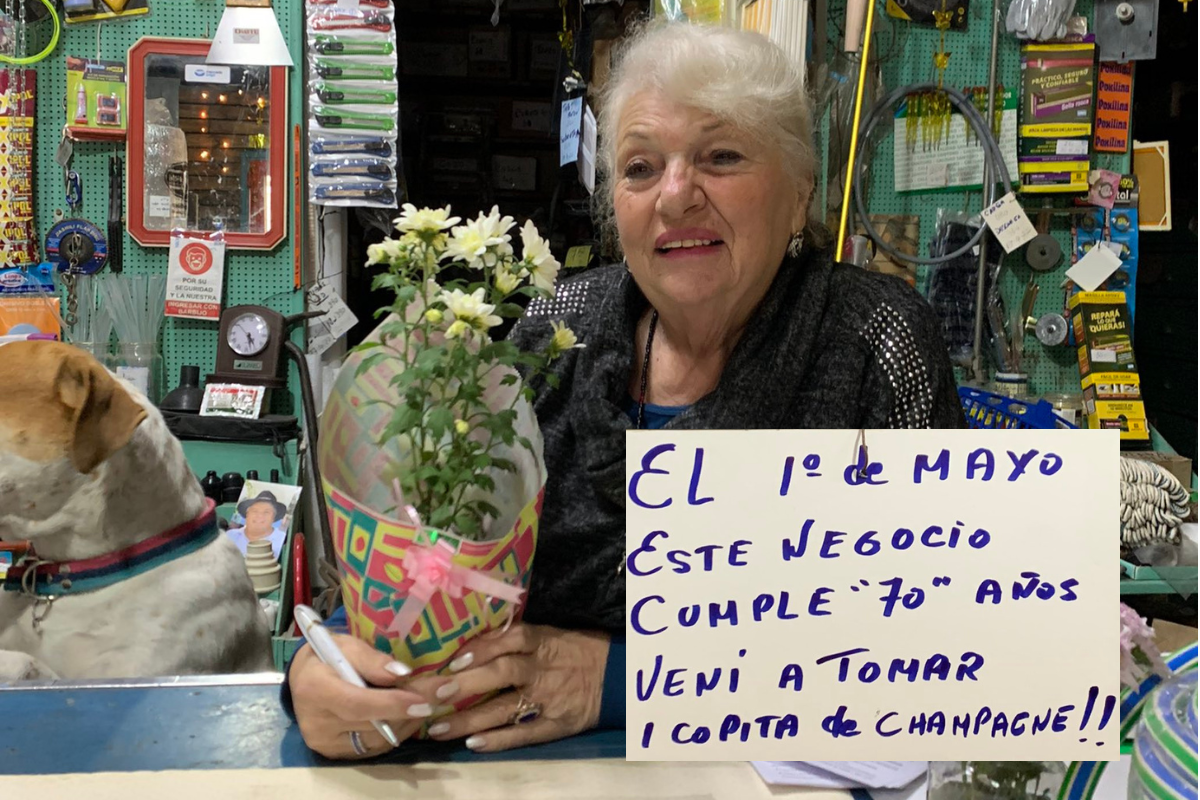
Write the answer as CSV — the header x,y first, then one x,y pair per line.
x,y
264,512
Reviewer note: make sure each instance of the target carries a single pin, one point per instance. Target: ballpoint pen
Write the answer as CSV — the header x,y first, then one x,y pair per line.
x,y
329,653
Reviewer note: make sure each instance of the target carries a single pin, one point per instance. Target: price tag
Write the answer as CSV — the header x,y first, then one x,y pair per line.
x,y
578,256
569,129
489,46
1094,268
587,151
323,332
1009,223
533,117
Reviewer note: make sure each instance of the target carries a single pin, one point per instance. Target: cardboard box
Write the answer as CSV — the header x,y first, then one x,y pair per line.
x,y
1112,393
1179,466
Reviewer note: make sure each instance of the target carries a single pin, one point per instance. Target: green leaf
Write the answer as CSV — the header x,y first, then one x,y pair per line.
x,y
552,380
509,310
509,379
439,420
504,464
370,362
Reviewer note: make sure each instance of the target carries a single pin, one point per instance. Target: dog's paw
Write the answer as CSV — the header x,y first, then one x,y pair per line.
x,y
16,666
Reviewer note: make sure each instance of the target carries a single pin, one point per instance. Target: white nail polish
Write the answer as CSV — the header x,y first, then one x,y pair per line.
x,y
398,669
462,662
475,742
447,691
420,710
439,728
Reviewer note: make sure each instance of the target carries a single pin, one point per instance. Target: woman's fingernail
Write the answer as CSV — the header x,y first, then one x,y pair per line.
x,y
420,710
475,743
439,728
447,691
398,669
462,662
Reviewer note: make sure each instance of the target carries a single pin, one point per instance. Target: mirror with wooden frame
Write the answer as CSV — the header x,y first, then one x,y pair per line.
x,y
207,146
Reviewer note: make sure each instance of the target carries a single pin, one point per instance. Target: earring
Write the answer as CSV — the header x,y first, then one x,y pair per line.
x,y
796,244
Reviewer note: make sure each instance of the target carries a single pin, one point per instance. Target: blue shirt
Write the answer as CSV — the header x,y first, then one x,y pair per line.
x,y
655,417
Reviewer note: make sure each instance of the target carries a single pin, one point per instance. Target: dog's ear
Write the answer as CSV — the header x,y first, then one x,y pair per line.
x,y
103,414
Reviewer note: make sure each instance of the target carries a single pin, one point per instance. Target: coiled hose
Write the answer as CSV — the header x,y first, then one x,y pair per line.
x,y
1153,504
991,152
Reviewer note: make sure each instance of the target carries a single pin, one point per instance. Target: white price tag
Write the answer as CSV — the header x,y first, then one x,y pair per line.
x,y
1094,268
587,151
1072,147
324,331
1009,223
158,205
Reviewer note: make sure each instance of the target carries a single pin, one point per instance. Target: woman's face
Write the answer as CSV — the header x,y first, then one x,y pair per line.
x,y
260,519
704,211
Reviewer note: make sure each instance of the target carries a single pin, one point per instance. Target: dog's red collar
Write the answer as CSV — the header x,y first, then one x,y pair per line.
x,y
58,578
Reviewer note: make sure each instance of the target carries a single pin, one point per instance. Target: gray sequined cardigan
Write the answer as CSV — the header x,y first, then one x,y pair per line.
x,y
830,346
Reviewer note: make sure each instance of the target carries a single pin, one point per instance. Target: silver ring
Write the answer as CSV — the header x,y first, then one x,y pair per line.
x,y
527,711
357,743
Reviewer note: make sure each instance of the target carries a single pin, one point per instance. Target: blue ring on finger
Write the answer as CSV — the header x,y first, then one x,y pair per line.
x,y
527,711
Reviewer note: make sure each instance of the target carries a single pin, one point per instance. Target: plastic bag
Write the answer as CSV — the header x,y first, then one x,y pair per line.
x,y
952,284
1039,20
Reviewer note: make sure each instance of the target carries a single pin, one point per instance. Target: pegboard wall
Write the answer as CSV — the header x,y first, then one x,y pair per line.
x,y
907,51
251,276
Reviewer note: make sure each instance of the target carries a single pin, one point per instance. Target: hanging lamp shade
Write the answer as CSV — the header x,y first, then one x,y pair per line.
x,y
249,34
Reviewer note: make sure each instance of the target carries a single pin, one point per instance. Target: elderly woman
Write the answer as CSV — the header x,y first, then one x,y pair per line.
x,y
725,314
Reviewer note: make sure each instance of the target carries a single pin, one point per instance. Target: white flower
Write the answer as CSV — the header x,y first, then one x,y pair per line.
x,y
564,339
469,309
483,242
425,220
389,251
537,258
507,282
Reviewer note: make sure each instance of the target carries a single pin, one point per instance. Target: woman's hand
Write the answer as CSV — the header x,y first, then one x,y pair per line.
x,y
328,708
562,671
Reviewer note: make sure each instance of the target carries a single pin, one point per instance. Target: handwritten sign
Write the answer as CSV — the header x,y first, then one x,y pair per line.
x,y
1009,222
938,595
569,129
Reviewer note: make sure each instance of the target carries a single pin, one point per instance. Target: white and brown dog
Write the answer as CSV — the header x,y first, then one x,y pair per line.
x,y
132,577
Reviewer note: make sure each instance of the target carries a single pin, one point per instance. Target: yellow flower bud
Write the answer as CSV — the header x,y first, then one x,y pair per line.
x,y
434,315
462,427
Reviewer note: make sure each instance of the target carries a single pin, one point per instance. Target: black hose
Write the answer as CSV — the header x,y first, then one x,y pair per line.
x,y
991,152
309,404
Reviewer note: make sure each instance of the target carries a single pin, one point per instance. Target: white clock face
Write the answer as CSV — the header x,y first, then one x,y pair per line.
x,y
248,335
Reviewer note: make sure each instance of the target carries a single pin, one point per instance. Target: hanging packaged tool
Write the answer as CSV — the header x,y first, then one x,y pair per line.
x,y
375,168
116,212
349,93
342,45
354,70
329,144
75,246
341,119
347,194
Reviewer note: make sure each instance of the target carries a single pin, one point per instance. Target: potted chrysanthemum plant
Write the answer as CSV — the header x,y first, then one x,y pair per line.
x,y
429,451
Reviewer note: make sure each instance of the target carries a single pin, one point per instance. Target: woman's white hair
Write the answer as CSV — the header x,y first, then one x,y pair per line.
x,y
737,76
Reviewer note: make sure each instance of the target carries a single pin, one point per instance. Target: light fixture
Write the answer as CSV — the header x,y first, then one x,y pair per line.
x,y
249,35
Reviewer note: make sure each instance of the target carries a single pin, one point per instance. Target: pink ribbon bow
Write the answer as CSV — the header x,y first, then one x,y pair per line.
x,y
432,570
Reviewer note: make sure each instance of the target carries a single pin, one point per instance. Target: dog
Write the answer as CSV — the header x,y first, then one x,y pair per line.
x,y
89,474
